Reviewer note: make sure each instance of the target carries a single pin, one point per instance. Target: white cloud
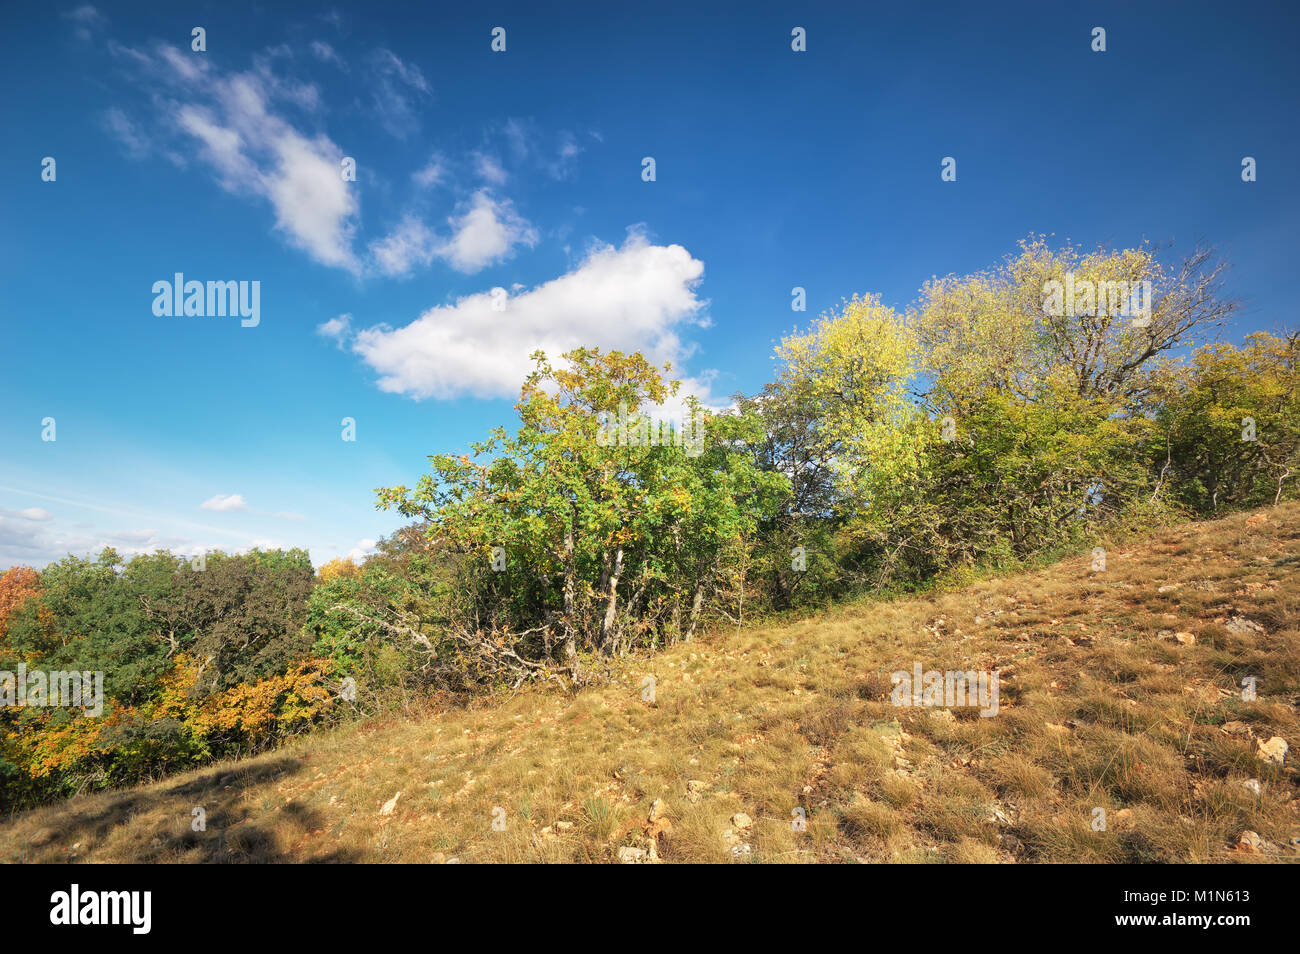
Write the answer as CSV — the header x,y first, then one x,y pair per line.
x,y
126,132
85,19
487,231
399,86
556,155
31,514
36,544
431,174
391,64
325,53
33,537
239,123
489,168
632,298
224,503
362,550
411,243
336,329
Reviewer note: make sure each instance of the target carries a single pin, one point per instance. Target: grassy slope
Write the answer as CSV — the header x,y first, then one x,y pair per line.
x,y
1096,710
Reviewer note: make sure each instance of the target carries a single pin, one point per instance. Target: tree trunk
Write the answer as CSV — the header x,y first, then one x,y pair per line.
x,y
611,606
570,598
696,603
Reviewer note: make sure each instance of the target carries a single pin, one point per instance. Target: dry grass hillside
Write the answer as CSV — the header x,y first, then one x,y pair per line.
x,y
1119,690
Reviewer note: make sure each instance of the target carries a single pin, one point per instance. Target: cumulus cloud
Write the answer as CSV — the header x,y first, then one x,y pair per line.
x,y
362,550
336,329
637,297
485,231
224,503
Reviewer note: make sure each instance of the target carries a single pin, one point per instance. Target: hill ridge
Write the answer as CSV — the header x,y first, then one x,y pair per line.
x,y
1119,701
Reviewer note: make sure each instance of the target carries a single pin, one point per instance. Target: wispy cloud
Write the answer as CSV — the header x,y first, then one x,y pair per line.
x,y
241,127
399,89
326,53
85,20
224,503
126,132
489,169
433,173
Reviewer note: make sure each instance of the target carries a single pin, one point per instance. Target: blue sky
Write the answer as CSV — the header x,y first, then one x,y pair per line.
x,y
522,170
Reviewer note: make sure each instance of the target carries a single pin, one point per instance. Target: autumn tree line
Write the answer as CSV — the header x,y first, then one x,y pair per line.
x,y
897,448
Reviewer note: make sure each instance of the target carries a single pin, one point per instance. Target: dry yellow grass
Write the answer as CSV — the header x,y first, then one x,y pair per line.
x,y
1099,708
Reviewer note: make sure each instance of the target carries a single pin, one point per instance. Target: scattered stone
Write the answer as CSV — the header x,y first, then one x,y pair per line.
x,y
390,805
1251,841
1253,785
1167,588
656,824
564,826
1182,639
628,855
1274,750
742,821
1243,627
695,790
1236,728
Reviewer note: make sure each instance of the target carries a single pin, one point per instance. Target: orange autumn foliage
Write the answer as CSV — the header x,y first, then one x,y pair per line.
x,y
17,586
259,711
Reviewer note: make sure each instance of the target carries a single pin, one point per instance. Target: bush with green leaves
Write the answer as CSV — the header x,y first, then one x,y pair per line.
x,y
569,541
